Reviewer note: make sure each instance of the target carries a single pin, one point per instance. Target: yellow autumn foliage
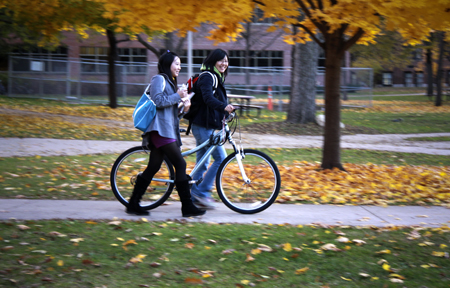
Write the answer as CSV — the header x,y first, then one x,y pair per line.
x,y
366,184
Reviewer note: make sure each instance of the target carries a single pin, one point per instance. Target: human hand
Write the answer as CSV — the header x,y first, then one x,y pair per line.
x,y
230,108
182,91
187,105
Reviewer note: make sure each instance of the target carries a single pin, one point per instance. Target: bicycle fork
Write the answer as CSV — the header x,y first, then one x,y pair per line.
x,y
239,156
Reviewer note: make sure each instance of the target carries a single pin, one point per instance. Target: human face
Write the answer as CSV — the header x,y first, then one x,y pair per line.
x,y
175,67
222,65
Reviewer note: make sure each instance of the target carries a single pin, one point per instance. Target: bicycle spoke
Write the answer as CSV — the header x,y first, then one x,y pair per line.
x,y
259,193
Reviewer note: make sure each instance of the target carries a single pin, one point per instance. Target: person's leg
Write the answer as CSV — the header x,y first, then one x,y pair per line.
x,y
142,182
208,180
188,209
201,134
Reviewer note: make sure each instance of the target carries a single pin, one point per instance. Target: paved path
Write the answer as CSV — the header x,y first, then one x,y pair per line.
x,y
389,142
276,214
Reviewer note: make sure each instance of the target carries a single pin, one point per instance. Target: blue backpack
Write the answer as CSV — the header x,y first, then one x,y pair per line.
x,y
145,110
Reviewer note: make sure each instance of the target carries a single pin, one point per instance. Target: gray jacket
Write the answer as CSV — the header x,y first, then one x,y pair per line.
x,y
166,99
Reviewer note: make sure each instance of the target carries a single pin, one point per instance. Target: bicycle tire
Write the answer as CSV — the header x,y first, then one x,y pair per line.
x,y
125,170
248,198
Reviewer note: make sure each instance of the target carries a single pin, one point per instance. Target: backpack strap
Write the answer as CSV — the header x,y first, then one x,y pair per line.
x,y
215,80
147,91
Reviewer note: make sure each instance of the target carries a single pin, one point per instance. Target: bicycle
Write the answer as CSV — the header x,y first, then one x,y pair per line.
x,y
248,181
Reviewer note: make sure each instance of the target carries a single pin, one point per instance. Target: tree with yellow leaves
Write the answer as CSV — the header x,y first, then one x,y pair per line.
x,y
343,23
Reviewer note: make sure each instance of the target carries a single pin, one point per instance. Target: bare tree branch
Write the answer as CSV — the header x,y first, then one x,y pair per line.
x,y
311,3
311,34
148,46
320,25
353,39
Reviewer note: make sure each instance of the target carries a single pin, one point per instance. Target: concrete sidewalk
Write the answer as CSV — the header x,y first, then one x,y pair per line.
x,y
10,147
24,209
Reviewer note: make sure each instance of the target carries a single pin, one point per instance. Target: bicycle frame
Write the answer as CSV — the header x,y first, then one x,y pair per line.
x,y
220,137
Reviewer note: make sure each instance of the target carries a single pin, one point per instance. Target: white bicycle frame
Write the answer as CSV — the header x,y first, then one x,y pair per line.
x,y
219,137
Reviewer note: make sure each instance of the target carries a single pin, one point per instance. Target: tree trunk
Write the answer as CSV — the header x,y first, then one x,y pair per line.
x,y
439,75
331,155
112,87
302,105
429,67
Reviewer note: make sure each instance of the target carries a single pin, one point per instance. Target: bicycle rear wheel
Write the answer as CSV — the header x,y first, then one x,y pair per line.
x,y
125,170
255,196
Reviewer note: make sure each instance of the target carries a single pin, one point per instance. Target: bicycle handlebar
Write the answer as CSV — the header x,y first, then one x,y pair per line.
x,y
230,117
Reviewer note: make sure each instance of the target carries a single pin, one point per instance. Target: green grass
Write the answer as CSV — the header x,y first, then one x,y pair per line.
x,y
398,123
432,139
71,253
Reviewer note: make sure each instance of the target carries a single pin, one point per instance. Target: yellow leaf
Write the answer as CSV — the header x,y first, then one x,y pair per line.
x,y
301,270
346,279
440,254
393,275
60,263
245,282
386,251
120,239
287,247
386,267
255,251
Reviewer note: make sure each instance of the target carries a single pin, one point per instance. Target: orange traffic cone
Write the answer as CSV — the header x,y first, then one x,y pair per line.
x,y
269,94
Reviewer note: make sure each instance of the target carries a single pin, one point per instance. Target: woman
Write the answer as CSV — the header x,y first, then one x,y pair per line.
x,y
163,136
213,106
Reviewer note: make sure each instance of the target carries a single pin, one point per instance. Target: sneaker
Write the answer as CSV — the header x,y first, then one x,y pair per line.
x,y
204,203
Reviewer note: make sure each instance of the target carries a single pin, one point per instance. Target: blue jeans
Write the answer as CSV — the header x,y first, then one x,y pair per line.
x,y
202,134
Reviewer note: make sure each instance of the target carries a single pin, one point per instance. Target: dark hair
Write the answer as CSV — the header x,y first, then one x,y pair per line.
x,y
213,57
164,64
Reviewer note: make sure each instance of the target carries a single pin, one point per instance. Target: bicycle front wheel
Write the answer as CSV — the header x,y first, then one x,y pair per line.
x,y
125,170
259,193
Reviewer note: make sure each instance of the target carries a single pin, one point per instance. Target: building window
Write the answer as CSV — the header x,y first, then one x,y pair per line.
x,y
263,61
387,78
95,59
417,54
135,59
408,79
198,56
419,79
41,60
321,60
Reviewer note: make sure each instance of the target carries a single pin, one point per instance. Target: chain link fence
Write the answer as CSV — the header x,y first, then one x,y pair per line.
x,y
87,81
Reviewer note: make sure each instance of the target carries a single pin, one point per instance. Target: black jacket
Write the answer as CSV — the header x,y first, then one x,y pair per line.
x,y
211,106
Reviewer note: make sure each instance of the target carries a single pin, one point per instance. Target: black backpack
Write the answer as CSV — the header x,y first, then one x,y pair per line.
x,y
192,87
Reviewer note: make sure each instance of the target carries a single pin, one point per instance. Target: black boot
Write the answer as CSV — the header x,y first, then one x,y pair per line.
x,y
188,209
139,189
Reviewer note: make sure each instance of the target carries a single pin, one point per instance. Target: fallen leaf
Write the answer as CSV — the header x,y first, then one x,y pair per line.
x,y
301,270
249,258
228,251
330,247
193,281
287,247
343,239
23,227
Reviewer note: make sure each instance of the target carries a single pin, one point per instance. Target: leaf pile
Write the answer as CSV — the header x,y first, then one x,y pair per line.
x,y
366,184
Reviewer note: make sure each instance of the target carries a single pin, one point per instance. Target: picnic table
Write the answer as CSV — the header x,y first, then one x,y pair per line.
x,y
243,102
